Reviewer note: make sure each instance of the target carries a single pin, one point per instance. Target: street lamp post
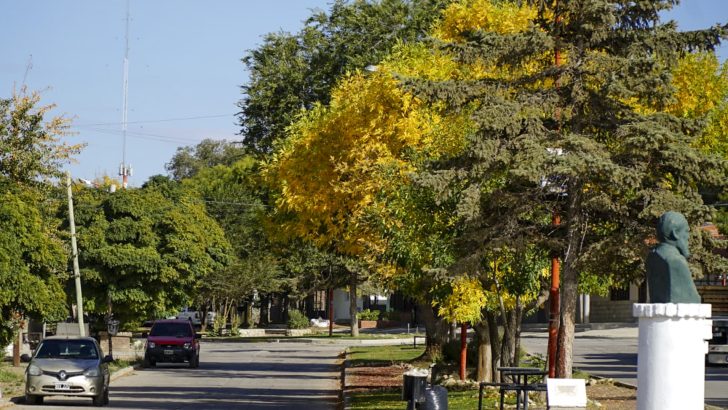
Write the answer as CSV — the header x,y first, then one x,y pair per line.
x,y
112,327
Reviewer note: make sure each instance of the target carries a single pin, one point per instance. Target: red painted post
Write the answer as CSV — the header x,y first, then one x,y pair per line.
x,y
331,312
463,349
554,308
554,297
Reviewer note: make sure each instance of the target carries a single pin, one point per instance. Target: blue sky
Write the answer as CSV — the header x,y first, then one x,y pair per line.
x,y
184,67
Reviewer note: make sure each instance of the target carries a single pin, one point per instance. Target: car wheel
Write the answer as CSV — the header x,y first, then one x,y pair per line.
x,y
148,362
99,400
33,399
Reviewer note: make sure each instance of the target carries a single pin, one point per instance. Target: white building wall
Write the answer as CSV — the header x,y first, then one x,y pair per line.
x,y
341,304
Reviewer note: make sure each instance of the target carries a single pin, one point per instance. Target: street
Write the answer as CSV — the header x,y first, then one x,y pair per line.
x,y
612,353
231,376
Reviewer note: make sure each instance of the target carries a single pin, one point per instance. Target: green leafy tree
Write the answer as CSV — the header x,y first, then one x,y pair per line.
x,y
145,252
234,197
32,261
189,161
33,258
291,72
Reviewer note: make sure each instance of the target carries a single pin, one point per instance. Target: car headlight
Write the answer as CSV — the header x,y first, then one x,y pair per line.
x,y
151,345
92,372
34,370
188,345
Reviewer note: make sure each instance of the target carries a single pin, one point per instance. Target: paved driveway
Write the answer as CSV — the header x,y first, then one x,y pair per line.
x,y
612,353
232,376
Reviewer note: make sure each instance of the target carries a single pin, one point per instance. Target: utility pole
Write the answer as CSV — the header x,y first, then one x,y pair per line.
x,y
74,249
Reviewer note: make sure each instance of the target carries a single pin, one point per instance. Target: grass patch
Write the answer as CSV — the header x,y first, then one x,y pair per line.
x,y
383,355
392,399
318,336
12,380
119,364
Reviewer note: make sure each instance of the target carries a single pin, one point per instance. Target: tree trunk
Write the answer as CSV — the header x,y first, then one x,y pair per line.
x,y
436,331
286,305
569,287
517,341
352,305
566,329
509,339
264,302
485,356
495,345
203,319
17,342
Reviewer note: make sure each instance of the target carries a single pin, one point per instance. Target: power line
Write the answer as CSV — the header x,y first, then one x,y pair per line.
x,y
147,136
153,121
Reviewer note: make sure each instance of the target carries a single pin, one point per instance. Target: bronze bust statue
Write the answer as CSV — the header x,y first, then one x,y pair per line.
x,y
668,275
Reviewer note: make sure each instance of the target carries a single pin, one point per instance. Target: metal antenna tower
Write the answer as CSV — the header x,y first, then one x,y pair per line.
x,y
125,170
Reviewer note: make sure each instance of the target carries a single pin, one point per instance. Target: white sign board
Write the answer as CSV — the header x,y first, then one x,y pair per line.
x,y
566,393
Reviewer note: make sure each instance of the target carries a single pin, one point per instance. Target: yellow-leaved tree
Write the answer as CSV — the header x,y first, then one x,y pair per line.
x,y
337,160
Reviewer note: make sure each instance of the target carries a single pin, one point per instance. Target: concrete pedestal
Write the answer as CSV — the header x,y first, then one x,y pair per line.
x,y
671,355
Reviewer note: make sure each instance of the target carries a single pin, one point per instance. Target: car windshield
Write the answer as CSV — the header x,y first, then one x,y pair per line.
x,y
171,329
67,349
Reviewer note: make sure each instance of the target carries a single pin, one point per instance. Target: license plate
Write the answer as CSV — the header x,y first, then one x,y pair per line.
x,y
63,386
169,352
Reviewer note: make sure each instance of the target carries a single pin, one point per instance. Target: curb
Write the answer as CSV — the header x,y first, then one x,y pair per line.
x,y
351,342
123,372
345,399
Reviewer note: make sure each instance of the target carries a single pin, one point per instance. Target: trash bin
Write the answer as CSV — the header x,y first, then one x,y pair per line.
x,y
435,398
413,387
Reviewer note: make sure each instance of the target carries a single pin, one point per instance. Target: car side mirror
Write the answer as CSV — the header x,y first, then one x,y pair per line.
x,y
198,336
24,358
107,359
145,335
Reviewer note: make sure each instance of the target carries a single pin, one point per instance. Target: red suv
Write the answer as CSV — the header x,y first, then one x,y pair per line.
x,y
172,341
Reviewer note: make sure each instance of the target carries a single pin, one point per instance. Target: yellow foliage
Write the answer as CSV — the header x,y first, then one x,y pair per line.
x,y
464,303
485,15
501,17
701,85
337,158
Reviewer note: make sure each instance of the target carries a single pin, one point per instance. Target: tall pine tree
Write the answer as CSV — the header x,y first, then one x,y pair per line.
x,y
562,130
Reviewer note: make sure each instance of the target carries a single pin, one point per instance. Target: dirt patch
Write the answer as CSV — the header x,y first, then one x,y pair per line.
x,y
609,395
612,396
379,377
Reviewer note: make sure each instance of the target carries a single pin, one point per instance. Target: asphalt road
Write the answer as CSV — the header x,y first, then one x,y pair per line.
x,y
612,353
230,376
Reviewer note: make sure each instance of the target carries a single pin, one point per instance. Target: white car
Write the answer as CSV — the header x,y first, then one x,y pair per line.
x,y
192,316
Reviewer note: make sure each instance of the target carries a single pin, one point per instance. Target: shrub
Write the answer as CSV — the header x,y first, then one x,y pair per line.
x,y
297,320
217,326
392,315
234,323
451,352
367,314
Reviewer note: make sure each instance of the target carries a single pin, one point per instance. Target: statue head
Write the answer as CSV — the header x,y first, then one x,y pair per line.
x,y
673,229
